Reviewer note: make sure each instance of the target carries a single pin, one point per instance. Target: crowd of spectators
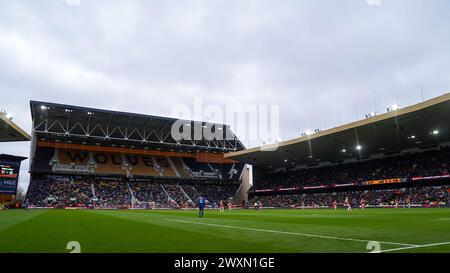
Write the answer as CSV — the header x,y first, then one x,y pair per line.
x,y
425,196
192,192
57,190
112,194
66,190
46,190
62,191
216,193
39,191
147,193
428,163
176,195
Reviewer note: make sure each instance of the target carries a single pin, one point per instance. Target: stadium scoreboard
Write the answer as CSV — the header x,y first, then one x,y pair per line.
x,y
9,173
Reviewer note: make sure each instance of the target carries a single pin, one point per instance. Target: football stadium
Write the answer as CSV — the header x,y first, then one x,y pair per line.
x,y
224,136
103,181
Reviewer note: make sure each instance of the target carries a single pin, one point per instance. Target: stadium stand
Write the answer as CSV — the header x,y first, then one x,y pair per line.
x,y
148,192
109,163
404,161
42,162
62,191
67,157
142,166
59,191
192,192
406,166
401,197
182,169
165,167
402,150
200,169
215,193
77,162
108,159
67,191
113,194
39,191
196,166
175,193
70,161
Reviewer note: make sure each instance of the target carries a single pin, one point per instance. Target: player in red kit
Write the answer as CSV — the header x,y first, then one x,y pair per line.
x,y
408,202
347,204
363,203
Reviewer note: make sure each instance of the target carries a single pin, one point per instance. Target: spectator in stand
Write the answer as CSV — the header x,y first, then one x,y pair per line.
x,y
422,196
409,165
62,191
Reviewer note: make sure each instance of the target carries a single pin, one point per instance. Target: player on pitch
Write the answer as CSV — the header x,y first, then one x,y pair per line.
x,y
201,206
348,204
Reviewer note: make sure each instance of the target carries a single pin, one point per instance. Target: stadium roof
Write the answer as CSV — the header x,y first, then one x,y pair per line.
x,y
74,124
9,131
417,126
12,157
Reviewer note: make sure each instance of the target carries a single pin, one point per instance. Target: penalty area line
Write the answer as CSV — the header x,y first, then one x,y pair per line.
x,y
413,247
291,233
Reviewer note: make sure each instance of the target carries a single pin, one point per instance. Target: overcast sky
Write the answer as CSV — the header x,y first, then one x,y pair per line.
x,y
323,62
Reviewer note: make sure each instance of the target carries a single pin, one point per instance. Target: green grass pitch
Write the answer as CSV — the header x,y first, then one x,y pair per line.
x,y
236,231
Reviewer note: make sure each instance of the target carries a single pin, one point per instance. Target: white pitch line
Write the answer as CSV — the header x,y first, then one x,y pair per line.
x,y
412,247
291,233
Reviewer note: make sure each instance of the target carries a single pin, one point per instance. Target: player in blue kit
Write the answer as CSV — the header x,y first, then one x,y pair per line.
x,y
201,206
